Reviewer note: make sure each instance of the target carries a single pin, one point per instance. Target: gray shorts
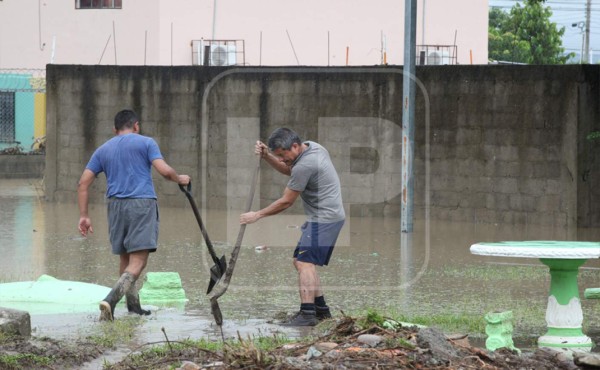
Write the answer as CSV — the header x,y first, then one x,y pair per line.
x,y
132,224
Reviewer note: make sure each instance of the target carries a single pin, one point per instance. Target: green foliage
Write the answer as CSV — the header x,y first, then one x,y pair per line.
x,y
24,361
398,343
271,342
5,338
526,35
595,135
371,318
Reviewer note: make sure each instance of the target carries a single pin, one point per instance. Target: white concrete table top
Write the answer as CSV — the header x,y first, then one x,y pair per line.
x,y
555,249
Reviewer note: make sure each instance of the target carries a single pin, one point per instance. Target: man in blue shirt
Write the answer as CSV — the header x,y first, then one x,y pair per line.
x,y
313,178
127,160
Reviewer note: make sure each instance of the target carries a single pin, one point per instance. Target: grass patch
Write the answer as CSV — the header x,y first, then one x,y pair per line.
x,y
5,338
448,323
24,360
249,352
118,331
489,272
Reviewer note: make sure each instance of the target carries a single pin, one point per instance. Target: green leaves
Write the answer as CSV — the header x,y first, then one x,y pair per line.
x,y
526,35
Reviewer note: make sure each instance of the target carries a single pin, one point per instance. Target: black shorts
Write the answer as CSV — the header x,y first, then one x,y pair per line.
x,y
317,241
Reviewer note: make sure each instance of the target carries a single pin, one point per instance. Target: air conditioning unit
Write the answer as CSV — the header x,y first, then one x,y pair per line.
x,y
221,53
437,58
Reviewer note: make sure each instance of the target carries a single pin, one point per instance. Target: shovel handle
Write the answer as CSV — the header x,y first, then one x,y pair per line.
x,y
187,190
188,194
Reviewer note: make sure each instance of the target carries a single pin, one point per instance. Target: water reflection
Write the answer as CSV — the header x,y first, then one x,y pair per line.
x,y
374,265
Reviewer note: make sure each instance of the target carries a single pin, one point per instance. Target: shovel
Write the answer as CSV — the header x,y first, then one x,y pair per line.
x,y
217,271
214,303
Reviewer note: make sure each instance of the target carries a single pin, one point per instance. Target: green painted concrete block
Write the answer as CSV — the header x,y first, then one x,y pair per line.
x,y
499,330
162,287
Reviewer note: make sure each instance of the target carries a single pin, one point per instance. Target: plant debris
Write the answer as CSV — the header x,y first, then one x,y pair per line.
x,y
346,344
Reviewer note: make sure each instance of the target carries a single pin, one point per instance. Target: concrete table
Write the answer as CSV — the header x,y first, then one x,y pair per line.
x,y
563,315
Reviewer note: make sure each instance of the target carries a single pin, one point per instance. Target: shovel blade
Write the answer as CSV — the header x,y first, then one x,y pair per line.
x,y
216,272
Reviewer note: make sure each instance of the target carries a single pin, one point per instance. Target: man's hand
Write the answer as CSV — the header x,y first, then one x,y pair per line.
x,y
249,218
183,179
85,226
261,149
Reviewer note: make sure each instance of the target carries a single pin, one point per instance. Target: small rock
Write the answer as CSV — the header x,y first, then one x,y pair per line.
x,y
295,362
188,365
333,354
437,342
312,352
291,346
587,359
325,346
369,339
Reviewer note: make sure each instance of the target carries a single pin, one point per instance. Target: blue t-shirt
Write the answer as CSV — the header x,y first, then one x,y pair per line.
x,y
126,160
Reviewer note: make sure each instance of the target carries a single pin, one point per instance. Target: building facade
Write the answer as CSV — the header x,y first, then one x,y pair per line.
x,y
34,33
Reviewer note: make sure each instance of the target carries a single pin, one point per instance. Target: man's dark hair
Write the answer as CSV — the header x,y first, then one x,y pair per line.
x,y
125,119
283,138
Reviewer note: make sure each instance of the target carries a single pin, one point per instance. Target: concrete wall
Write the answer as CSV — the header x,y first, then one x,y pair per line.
x,y
493,143
21,166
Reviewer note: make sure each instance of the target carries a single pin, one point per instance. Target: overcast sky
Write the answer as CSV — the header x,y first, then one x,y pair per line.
x,y
565,13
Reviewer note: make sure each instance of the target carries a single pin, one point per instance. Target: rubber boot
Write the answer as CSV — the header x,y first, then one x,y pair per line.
x,y
107,305
133,301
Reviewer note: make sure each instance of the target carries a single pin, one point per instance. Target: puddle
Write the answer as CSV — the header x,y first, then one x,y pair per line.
x,y
373,265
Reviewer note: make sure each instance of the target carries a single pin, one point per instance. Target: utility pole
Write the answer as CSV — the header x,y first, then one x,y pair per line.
x,y
587,31
408,115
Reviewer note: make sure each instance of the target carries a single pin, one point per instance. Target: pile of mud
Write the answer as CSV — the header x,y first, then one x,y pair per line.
x,y
344,345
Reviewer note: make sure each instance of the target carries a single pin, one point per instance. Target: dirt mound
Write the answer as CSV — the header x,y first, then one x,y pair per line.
x,y
46,353
343,346
347,347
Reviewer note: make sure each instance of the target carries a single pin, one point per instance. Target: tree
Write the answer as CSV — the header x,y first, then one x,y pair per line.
x,y
526,35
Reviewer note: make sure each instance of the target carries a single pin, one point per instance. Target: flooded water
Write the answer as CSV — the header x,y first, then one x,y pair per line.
x,y
429,272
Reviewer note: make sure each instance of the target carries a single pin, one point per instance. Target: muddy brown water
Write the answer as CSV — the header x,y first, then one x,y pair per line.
x,y
429,272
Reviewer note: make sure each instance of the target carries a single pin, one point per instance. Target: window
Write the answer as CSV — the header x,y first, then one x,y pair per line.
x,y
98,4
7,117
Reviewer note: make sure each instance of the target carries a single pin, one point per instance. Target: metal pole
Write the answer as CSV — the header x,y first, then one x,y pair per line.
x,y
423,25
581,61
214,25
115,42
587,31
260,51
408,115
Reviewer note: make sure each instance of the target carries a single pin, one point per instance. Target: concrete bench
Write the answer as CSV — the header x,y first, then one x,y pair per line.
x,y
592,293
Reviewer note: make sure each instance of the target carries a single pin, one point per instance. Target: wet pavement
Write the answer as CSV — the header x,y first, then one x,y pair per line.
x,y
428,272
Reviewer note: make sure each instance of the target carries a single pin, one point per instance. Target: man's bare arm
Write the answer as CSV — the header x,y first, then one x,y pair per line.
x,y
286,201
169,173
86,180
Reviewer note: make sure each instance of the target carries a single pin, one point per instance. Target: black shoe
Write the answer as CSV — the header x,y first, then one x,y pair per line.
x,y
302,318
323,313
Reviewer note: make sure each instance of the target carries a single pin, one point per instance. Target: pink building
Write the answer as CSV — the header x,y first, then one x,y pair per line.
x,y
34,33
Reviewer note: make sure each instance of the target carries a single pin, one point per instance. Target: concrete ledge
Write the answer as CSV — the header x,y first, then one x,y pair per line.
x,y
22,166
15,322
